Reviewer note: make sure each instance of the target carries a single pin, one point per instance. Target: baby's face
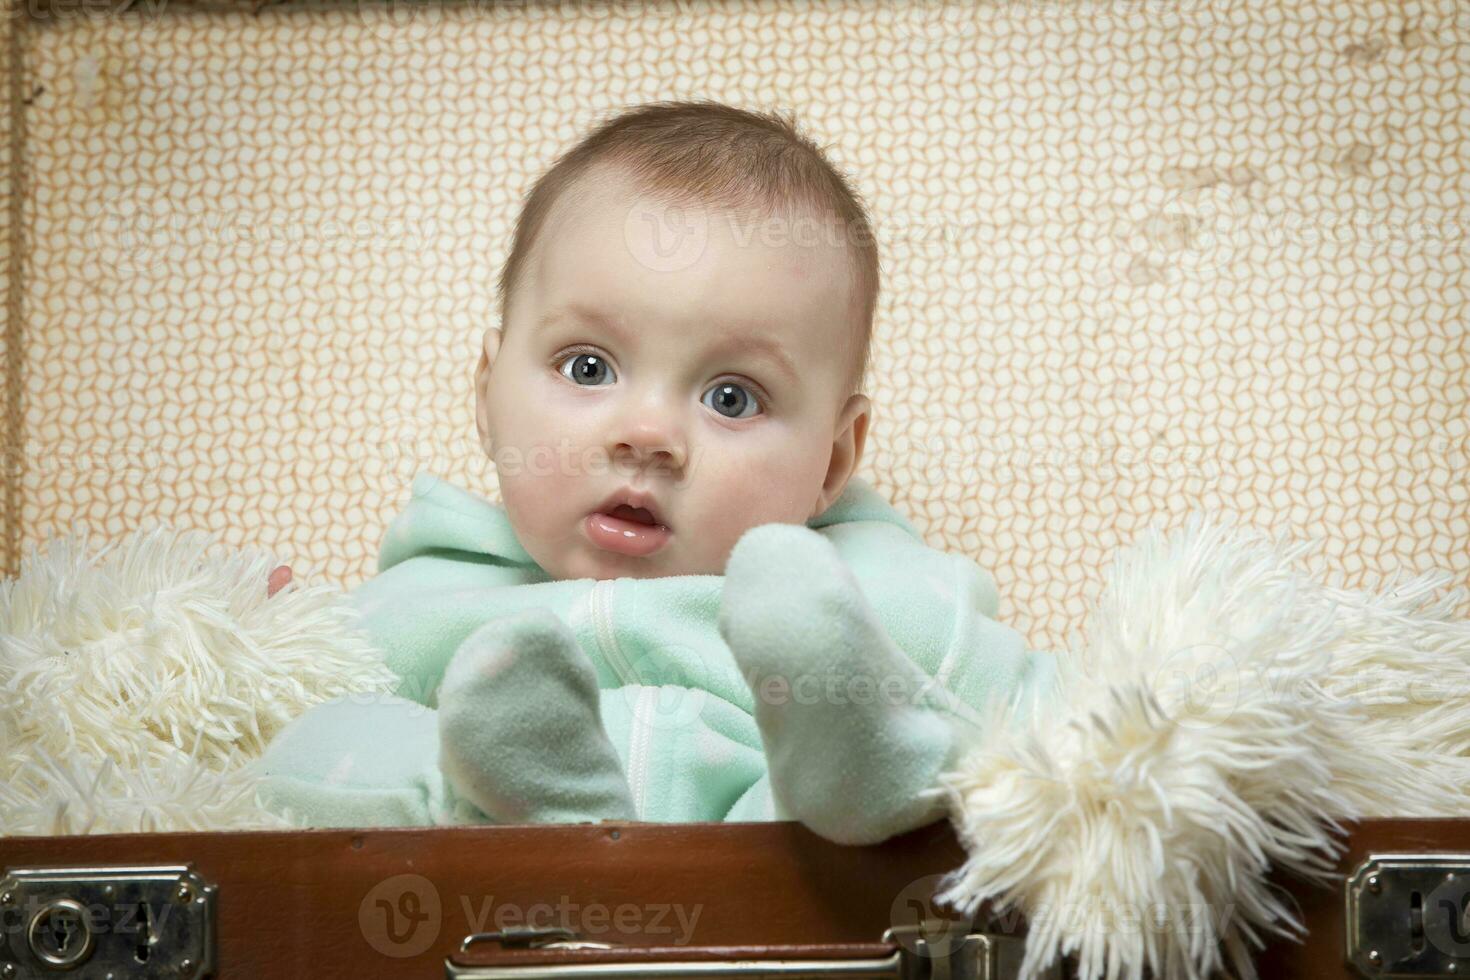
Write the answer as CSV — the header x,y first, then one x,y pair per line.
x,y
706,372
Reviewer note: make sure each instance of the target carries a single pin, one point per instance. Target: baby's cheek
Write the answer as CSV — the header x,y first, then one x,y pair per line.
x,y
756,495
536,504
786,487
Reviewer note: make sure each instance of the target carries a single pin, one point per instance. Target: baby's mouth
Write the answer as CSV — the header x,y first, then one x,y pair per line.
x,y
627,530
639,515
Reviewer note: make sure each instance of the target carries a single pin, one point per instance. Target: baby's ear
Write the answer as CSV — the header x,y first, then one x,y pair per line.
x,y
847,450
489,350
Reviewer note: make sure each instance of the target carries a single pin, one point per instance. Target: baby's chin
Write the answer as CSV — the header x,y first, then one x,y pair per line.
x,y
603,565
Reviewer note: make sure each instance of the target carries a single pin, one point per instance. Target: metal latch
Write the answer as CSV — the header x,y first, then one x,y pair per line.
x,y
119,922
1408,916
933,950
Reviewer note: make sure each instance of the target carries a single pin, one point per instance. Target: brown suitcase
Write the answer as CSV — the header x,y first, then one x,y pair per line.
x,y
624,900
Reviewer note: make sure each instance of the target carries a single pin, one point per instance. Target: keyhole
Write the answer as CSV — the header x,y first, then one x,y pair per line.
x,y
145,933
1416,921
59,935
63,928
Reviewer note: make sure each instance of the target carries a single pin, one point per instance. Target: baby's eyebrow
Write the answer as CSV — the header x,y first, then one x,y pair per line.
x,y
576,312
762,347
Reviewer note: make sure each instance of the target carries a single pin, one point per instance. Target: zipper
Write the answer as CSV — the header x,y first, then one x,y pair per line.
x,y
600,607
640,739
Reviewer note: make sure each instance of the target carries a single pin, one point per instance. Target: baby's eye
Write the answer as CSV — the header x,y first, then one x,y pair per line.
x,y
732,400
587,369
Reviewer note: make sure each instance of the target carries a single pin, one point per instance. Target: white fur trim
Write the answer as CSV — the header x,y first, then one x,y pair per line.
x,y
138,683
1226,711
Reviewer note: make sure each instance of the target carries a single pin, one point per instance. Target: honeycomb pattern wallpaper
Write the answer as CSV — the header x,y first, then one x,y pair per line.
x,y
12,351
1141,258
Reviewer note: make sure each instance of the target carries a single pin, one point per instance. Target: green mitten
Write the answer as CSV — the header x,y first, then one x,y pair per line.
x,y
520,726
855,734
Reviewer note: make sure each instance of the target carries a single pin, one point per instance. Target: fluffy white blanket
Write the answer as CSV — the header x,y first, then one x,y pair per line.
x,y
1227,709
138,684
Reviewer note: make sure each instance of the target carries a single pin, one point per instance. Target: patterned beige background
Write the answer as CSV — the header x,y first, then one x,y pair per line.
x,y
1141,259
11,350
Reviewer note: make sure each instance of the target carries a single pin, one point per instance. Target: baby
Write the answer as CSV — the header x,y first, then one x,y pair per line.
x,y
673,404
686,307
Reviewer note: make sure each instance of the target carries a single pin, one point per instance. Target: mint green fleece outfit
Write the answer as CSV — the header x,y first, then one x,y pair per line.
x,y
828,676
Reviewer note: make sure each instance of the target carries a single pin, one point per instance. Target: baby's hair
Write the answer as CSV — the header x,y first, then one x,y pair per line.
x,y
723,157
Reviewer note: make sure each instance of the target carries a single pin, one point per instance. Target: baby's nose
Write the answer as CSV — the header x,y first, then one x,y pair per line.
x,y
648,442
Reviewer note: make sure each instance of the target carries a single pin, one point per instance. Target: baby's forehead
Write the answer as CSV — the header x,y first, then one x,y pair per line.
x,y
679,239
817,282
788,219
